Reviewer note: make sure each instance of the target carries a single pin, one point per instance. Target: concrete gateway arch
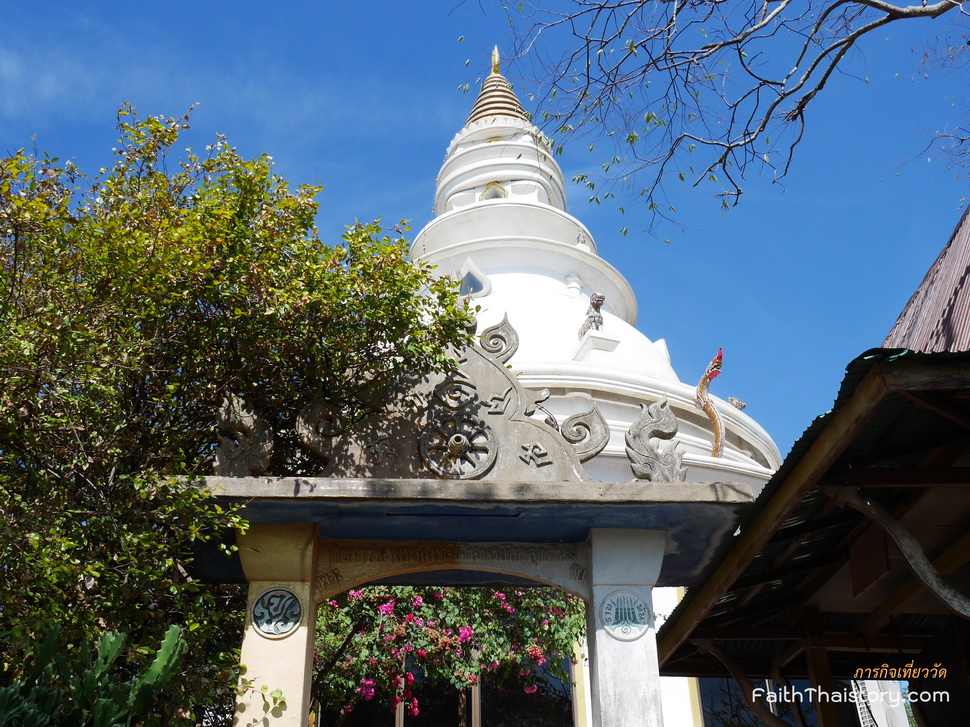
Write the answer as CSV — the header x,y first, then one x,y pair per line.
x,y
532,515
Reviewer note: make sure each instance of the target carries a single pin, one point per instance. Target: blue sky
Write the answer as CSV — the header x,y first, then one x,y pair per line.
x,y
362,98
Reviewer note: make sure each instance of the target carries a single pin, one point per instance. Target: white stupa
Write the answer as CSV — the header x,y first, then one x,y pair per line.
x,y
501,226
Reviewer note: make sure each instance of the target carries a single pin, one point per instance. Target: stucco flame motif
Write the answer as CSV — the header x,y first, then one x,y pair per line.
x,y
703,400
501,340
245,441
587,432
649,445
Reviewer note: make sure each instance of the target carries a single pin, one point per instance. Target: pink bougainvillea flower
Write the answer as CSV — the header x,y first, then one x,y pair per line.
x,y
387,608
366,689
531,689
418,602
465,634
355,595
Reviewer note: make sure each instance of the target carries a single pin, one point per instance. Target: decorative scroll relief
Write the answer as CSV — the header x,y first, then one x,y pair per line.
x,y
277,613
475,422
652,453
317,425
245,440
587,432
344,564
502,341
626,616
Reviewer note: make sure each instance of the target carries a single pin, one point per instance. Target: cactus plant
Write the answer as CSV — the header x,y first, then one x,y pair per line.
x,y
90,692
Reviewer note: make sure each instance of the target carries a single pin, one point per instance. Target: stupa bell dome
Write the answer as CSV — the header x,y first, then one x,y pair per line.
x,y
502,229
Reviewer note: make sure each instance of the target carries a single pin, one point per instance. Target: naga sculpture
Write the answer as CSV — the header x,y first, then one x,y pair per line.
x,y
703,400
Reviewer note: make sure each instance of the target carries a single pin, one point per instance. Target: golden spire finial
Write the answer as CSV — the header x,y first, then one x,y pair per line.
x,y
495,71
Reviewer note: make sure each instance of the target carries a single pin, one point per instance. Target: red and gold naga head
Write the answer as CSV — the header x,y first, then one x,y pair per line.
x,y
714,367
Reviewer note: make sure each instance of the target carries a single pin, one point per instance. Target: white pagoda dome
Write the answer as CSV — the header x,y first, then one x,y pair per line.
x,y
501,226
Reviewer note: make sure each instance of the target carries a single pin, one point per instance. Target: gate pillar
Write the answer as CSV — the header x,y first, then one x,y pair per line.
x,y
278,640
621,635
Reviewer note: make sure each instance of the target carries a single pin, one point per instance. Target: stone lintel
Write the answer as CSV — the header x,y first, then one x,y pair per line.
x,y
697,517
309,489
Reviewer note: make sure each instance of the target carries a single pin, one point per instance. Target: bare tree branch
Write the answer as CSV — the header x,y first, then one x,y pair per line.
x,y
704,91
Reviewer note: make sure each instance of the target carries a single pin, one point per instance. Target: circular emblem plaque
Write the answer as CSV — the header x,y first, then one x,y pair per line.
x,y
277,613
625,615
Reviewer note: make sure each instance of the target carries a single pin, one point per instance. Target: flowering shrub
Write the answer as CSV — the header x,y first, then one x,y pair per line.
x,y
375,643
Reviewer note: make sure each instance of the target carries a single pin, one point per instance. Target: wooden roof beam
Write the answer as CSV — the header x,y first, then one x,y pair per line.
x,y
795,538
899,477
759,707
881,643
925,374
940,406
909,546
796,568
947,563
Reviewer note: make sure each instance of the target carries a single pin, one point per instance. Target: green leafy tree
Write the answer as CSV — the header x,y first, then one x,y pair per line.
x,y
129,308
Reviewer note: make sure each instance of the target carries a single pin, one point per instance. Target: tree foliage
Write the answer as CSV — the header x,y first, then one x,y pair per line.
x,y
377,643
128,309
700,92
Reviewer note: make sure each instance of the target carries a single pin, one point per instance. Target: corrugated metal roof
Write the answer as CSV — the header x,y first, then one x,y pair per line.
x,y
937,317
774,583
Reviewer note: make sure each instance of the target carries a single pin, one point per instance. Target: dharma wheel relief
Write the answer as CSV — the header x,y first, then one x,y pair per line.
x,y
476,422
